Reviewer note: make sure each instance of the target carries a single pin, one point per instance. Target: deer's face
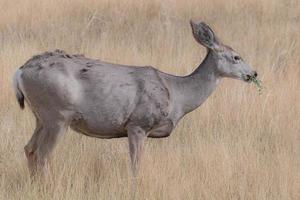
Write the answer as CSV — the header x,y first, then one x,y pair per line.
x,y
228,62
232,65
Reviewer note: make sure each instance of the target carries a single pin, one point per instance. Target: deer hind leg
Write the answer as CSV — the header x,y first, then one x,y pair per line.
x,y
31,147
41,145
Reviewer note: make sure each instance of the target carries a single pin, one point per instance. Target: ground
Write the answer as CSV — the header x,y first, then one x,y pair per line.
x,y
237,145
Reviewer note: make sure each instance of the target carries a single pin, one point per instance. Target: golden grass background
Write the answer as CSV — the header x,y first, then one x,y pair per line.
x,y
237,145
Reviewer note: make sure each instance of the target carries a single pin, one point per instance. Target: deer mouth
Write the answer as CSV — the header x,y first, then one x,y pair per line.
x,y
249,78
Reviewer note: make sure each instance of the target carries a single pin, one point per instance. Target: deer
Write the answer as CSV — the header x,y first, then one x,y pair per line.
x,y
106,100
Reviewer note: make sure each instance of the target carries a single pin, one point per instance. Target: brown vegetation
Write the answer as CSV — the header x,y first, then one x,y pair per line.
x,y
238,145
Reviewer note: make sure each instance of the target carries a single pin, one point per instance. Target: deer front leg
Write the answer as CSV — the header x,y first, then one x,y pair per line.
x,y
136,138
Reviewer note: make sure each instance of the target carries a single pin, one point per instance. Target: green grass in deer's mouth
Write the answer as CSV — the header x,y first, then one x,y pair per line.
x,y
258,83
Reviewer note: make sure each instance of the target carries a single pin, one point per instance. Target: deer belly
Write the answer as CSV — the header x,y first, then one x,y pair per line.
x,y
98,128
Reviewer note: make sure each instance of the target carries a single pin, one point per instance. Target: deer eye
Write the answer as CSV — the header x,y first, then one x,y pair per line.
x,y
237,58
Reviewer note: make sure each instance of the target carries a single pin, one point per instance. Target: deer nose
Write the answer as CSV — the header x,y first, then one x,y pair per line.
x,y
255,74
248,77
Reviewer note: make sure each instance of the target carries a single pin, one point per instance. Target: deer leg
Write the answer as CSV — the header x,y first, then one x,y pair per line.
x,y
136,138
31,147
41,145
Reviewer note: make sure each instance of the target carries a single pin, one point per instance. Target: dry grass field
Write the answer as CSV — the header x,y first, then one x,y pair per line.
x,y
237,145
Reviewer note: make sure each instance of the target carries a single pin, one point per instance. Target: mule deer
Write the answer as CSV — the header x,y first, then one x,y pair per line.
x,y
107,100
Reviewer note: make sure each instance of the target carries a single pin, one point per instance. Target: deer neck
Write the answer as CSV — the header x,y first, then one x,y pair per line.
x,y
195,88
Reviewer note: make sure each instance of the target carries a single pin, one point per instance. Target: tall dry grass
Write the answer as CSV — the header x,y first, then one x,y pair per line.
x,y
238,145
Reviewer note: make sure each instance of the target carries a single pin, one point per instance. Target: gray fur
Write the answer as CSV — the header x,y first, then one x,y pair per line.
x,y
107,100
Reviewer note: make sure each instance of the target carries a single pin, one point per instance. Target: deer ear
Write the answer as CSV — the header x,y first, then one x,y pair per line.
x,y
204,35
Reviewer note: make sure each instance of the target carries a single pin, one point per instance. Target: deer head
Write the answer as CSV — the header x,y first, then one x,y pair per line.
x,y
229,63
